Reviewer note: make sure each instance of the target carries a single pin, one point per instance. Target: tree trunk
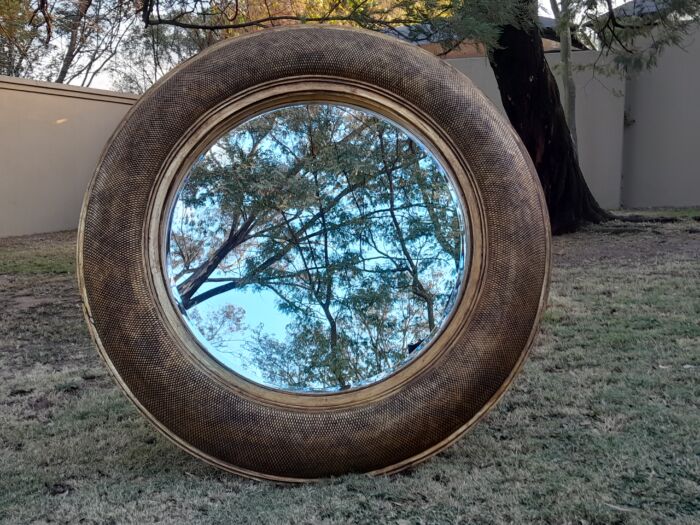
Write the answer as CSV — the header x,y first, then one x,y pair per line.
x,y
74,40
530,96
237,236
567,73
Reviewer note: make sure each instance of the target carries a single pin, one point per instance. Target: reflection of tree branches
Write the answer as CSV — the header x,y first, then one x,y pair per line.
x,y
318,279
219,324
184,248
438,223
416,285
199,276
236,237
342,243
254,275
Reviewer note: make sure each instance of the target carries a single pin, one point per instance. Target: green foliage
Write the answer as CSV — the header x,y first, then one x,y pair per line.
x,y
65,41
151,51
20,38
107,37
344,218
450,22
147,53
632,37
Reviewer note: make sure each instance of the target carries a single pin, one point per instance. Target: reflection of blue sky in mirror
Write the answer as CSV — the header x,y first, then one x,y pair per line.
x,y
259,308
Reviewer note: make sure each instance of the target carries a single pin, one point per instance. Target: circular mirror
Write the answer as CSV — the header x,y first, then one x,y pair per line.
x,y
313,251
316,247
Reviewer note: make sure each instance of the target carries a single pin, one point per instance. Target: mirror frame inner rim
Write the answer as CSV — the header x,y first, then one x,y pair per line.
x,y
284,92
459,281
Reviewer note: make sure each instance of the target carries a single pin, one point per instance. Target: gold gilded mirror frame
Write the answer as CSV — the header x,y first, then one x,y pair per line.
x,y
280,94
266,433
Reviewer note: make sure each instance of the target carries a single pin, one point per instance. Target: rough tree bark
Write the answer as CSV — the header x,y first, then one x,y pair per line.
x,y
531,99
563,18
76,39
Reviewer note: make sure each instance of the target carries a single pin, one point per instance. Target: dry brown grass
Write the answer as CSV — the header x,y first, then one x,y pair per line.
x,y
601,427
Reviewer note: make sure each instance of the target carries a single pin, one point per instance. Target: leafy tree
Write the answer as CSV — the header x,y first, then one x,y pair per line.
x,y
633,36
344,218
65,42
148,52
629,38
19,36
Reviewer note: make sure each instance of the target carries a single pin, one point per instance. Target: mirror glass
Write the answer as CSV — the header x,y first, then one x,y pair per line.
x,y
316,247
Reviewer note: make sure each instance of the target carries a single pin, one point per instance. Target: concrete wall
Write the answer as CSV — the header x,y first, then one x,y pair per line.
x,y
600,106
50,139
662,140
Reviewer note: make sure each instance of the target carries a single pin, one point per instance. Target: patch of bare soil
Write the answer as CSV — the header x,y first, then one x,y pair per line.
x,y
41,320
621,243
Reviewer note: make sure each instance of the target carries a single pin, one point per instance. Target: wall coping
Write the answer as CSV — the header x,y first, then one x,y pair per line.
x,y
64,90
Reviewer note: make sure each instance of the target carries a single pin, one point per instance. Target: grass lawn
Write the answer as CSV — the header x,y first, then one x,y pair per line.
x,y
602,426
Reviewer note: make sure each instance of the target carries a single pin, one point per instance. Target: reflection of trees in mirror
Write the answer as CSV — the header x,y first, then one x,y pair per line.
x,y
315,247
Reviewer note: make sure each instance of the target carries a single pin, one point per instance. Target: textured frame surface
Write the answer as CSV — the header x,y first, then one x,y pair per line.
x,y
251,430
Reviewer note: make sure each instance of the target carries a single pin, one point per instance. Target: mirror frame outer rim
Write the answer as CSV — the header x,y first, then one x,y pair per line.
x,y
395,467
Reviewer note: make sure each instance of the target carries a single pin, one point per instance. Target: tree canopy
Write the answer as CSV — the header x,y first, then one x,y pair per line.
x,y
338,216
69,41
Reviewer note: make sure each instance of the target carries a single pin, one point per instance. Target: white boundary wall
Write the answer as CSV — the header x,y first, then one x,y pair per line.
x,y
662,138
51,137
